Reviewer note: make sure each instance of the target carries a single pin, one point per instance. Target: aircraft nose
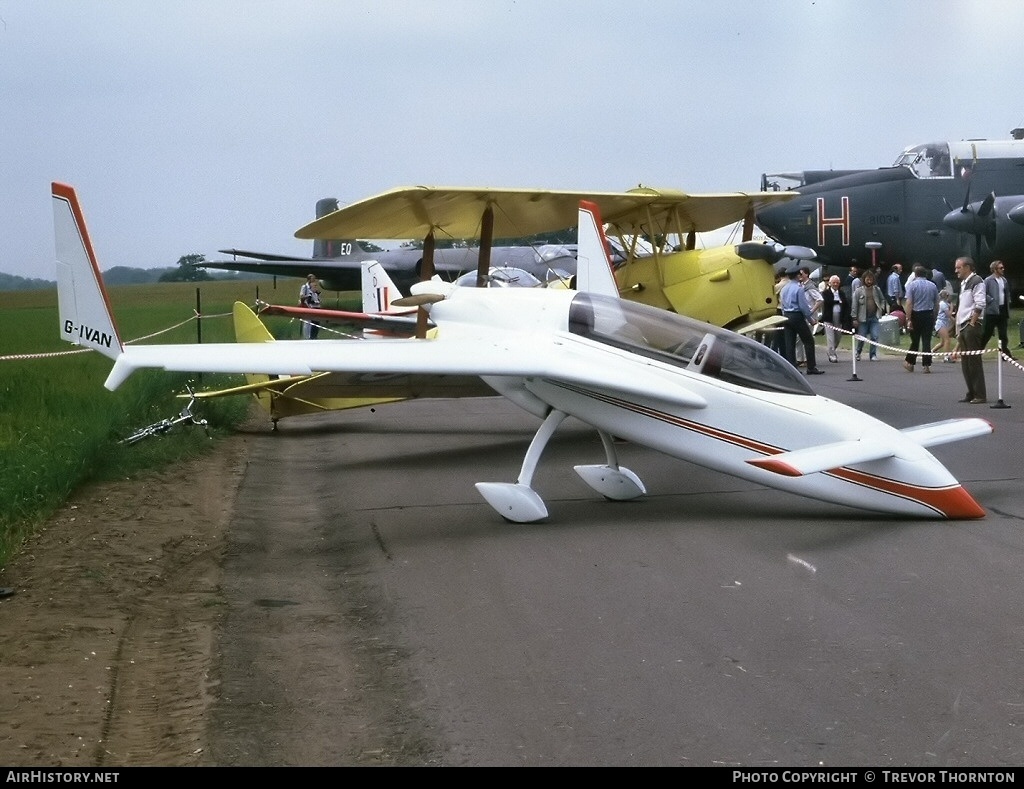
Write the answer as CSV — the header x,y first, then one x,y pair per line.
x,y
955,504
770,218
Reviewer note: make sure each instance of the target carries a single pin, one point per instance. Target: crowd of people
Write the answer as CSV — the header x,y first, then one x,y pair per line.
x,y
950,321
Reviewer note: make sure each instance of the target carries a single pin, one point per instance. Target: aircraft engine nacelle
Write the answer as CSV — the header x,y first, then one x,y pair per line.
x,y
996,223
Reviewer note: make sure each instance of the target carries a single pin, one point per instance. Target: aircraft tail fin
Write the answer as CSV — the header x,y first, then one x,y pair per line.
x,y
84,307
379,290
593,265
249,328
324,247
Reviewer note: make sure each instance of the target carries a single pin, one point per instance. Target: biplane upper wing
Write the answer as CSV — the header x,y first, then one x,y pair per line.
x,y
458,212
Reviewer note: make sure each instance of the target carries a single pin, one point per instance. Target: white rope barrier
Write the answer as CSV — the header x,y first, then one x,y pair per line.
x,y
953,355
52,354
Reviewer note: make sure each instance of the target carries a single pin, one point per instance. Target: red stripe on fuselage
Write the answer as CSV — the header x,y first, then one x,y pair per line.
x,y
950,501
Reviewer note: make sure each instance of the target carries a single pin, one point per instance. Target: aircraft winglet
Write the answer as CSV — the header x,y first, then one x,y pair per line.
x,y
85,314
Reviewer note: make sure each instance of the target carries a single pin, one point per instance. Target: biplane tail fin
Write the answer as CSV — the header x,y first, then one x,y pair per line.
x,y
84,308
249,328
593,265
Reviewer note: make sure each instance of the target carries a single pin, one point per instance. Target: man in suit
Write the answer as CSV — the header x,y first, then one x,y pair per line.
x,y
997,307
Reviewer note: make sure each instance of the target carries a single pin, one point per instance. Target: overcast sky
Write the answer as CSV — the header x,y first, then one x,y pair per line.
x,y
189,126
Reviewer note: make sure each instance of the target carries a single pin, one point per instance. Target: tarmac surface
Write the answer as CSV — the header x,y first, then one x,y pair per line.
x,y
379,612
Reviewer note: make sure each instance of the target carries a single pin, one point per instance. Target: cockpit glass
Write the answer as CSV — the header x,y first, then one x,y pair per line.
x,y
931,160
502,277
684,342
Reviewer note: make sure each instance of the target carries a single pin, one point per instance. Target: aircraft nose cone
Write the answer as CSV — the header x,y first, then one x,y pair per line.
x,y
770,219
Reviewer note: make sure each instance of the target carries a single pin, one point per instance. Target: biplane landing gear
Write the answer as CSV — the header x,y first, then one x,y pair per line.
x,y
519,503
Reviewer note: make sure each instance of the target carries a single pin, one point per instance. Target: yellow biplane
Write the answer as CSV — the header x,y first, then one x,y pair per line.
x,y
729,286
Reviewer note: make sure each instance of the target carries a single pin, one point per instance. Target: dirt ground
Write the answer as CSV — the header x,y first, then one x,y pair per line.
x,y
107,641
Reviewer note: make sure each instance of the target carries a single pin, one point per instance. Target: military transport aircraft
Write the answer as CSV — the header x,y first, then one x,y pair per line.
x,y
729,286
688,389
938,201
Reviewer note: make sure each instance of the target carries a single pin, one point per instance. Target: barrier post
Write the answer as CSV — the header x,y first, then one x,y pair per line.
x,y
999,380
853,358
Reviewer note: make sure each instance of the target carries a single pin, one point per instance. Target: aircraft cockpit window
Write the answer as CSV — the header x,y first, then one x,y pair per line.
x,y
508,277
927,161
939,161
502,277
684,342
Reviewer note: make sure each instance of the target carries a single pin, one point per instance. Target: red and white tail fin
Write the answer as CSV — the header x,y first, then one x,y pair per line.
x,y
379,289
593,265
85,315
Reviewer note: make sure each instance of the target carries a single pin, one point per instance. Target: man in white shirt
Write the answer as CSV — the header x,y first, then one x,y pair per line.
x,y
968,329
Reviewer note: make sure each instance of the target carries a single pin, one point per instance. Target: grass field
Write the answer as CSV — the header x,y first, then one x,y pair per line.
x,y
59,427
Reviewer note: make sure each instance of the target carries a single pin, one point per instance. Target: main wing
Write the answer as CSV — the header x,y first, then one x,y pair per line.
x,y
286,396
486,353
457,212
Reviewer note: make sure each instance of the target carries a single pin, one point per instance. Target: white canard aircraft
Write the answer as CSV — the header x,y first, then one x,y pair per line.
x,y
655,378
